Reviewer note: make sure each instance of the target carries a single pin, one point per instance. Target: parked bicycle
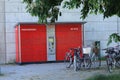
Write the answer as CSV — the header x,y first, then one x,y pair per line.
x,y
96,57
78,59
85,60
81,58
112,58
68,60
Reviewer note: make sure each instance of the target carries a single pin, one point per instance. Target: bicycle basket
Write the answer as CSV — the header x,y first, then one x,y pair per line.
x,y
87,50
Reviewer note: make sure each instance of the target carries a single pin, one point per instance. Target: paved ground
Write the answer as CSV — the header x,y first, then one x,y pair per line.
x,y
46,71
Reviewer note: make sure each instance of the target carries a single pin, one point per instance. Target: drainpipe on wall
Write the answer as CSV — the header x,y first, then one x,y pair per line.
x,y
5,32
83,35
118,27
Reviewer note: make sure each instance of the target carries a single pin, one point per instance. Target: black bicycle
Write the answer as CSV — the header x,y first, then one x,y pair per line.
x,y
112,58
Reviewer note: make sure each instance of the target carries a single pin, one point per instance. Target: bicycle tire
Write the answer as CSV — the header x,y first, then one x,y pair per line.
x,y
68,60
76,63
109,65
88,63
117,59
117,64
96,62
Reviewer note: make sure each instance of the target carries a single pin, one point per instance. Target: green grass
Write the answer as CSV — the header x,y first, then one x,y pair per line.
x,y
1,74
105,77
103,59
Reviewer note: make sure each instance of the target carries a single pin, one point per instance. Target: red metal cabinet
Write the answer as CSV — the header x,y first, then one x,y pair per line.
x,y
68,35
31,43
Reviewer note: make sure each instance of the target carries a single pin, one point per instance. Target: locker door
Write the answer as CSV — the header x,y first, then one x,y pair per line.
x,y
33,43
67,36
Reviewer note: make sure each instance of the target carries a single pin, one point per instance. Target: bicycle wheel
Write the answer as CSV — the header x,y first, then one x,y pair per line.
x,y
96,62
77,63
117,64
117,59
68,60
109,64
87,63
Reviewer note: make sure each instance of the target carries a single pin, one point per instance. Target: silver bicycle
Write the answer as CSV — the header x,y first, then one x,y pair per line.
x,y
83,62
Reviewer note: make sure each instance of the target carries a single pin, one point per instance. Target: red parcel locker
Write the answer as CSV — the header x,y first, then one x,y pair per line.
x,y
68,35
42,43
30,43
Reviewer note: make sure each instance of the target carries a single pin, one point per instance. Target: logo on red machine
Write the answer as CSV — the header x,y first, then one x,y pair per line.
x,y
32,29
74,29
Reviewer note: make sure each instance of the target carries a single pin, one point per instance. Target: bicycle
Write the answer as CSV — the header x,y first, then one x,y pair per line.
x,y
112,58
117,56
81,62
68,60
96,60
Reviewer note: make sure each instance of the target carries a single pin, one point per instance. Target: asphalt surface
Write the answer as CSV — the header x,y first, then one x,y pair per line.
x,y
47,71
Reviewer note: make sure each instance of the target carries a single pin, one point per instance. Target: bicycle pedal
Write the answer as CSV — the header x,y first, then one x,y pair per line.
x,y
83,65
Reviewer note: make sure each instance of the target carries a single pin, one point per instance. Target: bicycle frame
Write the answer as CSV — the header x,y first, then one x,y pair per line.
x,y
112,58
